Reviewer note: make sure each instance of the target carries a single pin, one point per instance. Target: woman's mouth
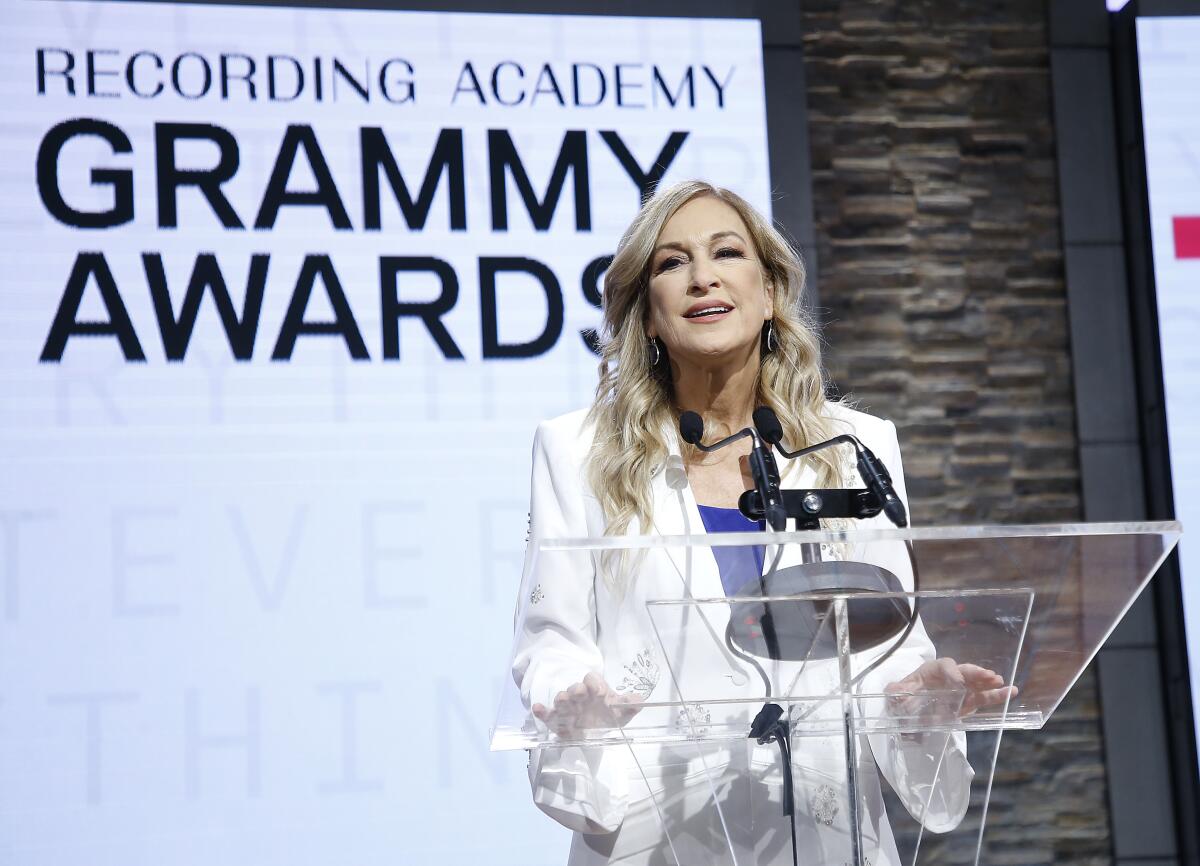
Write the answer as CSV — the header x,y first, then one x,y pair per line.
x,y
708,312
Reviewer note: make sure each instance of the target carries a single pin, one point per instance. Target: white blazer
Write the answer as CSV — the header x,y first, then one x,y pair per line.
x,y
571,622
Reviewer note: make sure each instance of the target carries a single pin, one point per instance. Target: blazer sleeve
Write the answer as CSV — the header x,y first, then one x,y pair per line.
x,y
929,772
583,788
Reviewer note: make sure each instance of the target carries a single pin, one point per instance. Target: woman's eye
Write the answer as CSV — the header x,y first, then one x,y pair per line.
x,y
729,252
667,264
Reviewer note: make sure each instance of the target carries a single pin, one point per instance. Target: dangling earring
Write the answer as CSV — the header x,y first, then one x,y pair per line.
x,y
654,362
770,335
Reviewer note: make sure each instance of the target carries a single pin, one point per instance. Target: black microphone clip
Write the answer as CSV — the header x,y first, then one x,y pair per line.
x,y
877,479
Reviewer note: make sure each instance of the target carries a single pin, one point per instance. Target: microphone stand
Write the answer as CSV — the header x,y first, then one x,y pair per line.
x,y
807,508
770,725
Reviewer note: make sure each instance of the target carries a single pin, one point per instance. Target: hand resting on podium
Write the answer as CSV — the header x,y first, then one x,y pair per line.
x,y
587,705
980,687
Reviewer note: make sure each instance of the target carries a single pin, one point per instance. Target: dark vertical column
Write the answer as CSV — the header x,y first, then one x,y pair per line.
x,y
934,169
1136,741
787,133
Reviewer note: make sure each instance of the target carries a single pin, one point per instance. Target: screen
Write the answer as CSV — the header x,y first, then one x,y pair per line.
x,y
285,294
1169,60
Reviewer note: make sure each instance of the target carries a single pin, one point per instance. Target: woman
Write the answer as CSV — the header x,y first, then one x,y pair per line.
x,y
701,314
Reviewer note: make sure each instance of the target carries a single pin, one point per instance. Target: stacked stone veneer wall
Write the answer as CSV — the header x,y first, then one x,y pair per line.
x,y
940,282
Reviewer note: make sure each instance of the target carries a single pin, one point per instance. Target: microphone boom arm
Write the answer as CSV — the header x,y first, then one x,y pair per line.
x,y
762,465
870,467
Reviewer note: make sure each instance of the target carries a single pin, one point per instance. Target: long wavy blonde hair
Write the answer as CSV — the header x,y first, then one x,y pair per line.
x,y
634,413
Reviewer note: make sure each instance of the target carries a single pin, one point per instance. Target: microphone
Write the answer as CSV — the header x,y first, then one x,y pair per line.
x,y
767,424
691,429
870,467
873,472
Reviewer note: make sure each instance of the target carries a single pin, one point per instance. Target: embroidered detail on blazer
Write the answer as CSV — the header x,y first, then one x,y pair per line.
x,y
825,805
832,551
849,471
798,711
641,675
537,595
695,719
848,477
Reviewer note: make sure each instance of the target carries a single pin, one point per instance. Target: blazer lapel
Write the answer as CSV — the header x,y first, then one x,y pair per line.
x,y
676,513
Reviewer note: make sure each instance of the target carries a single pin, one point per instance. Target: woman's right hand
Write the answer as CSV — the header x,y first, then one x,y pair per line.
x,y
587,705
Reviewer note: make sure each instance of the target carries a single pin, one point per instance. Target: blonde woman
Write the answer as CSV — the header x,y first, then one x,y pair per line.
x,y
701,313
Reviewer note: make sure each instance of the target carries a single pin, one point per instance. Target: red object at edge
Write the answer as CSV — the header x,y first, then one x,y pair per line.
x,y
1187,237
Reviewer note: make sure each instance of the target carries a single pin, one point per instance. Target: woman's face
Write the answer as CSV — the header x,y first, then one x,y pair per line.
x,y
708,295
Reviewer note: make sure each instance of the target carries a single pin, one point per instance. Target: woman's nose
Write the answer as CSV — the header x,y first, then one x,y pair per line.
x,y
703,276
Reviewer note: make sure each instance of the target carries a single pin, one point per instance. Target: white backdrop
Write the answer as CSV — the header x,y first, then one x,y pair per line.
x,y
1169,60
256,610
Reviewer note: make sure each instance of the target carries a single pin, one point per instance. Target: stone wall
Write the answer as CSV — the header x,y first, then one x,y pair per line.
x,y
940,281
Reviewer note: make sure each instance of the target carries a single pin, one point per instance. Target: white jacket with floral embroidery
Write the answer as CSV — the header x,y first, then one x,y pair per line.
x,y
570,623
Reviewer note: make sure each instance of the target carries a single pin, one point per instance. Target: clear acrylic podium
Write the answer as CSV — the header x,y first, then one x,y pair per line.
x,y
836,709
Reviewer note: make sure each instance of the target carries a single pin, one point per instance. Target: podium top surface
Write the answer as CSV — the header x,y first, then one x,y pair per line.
x,y
648,616
1170,529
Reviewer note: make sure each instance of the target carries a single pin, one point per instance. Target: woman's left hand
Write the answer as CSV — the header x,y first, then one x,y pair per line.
x,y
980,687
586,706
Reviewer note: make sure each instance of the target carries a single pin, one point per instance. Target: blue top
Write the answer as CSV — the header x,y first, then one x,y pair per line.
x,y
738,565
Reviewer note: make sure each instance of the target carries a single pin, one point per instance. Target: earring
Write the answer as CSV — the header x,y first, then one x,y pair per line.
x,y
654,362
770,335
